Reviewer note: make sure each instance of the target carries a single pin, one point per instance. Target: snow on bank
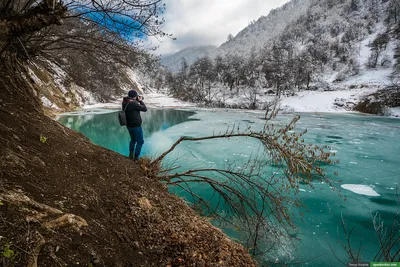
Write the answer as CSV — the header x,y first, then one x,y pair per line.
x,y
314,101
88,112
112,105
361,189
152,100
47,103
394,112
306,101
134,79
162,100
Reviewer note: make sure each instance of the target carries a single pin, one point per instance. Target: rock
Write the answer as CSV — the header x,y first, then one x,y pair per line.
x,y
339,102
378,102
344,104
270,92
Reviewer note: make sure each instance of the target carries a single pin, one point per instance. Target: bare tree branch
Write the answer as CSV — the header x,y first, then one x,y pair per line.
x,y
247,198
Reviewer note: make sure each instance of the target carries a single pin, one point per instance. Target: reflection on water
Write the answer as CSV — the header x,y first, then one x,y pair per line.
x,y
104,129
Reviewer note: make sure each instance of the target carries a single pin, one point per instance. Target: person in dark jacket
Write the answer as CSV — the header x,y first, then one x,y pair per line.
x,y
134,122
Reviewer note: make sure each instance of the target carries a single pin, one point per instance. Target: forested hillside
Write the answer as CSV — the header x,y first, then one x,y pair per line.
x,y
265,29
324,45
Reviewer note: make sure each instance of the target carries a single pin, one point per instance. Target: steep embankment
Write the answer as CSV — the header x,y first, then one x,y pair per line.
x,y
61,90
66,202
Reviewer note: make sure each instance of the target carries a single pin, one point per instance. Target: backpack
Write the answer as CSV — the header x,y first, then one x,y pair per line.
x,y
122,116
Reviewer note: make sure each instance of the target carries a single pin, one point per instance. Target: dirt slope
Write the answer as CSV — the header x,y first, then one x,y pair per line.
x,y
67,202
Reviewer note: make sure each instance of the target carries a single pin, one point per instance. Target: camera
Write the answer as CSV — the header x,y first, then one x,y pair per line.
x,y
137,98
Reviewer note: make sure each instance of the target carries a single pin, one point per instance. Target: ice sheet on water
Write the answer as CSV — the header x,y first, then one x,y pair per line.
x,y
361,189
88,112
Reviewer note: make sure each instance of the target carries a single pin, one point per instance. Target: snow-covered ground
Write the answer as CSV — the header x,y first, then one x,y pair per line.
x,y
154,100
369,81
305,101
315,101
162,100
111,105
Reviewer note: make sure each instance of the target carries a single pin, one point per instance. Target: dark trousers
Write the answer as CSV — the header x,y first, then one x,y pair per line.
x,y
137,141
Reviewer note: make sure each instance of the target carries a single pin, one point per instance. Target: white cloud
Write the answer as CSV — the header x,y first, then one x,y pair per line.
x,y
208,22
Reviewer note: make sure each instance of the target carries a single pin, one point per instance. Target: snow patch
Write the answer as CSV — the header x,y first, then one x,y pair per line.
x,y
134,78
162,100
47,103
394,112
87,112
59,76
84,97
34,77
314,101
374,77
113,105
361,189
304,101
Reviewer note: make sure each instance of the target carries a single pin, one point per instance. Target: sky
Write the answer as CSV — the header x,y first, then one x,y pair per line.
x,y
208,22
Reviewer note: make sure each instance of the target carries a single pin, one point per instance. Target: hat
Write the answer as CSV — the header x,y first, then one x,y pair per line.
x,y
132,94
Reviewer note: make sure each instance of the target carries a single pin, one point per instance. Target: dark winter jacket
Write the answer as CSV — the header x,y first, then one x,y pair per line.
x,y
132,111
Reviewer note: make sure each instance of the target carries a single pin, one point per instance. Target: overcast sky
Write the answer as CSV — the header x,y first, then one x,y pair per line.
x,y
208,22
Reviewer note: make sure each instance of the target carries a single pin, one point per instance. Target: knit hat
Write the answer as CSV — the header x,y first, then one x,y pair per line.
x,y
132,94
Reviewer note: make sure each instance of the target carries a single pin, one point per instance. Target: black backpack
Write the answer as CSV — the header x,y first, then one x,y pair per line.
x,y
122,116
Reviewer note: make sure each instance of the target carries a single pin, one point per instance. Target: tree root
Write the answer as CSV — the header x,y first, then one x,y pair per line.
x,y
48,217
33,257
40,213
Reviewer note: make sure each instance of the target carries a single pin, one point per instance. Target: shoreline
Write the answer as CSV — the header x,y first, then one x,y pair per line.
x,y
315,102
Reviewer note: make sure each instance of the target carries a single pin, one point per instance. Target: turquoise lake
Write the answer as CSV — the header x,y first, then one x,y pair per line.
x,y
368,149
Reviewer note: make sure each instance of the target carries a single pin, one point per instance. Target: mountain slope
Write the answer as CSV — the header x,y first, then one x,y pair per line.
x,y
256,35
341,31
189,55
265,29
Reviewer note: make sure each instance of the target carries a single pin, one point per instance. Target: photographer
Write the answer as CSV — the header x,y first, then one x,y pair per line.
x,y
134,122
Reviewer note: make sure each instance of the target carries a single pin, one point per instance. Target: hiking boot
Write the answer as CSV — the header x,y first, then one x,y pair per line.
x,y
136,159
131,154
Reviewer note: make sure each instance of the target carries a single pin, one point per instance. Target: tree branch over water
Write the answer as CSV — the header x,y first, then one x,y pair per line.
x,y
387,236
251,198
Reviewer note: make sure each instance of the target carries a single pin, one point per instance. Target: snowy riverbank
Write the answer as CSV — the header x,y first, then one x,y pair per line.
x,y
304,101
328,101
